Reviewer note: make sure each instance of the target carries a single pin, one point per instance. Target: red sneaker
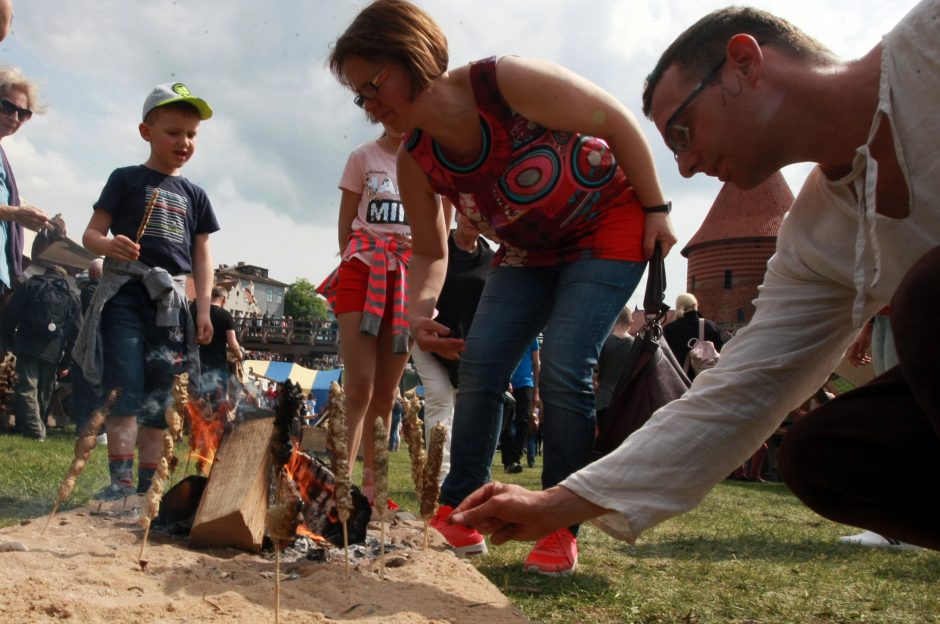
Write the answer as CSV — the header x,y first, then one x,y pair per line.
x,y
554,555
466,541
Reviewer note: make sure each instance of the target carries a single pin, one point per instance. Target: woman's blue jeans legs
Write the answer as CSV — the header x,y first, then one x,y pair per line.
x,y
574,306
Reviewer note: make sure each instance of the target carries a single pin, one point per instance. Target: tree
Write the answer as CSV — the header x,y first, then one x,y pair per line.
x,y
302,301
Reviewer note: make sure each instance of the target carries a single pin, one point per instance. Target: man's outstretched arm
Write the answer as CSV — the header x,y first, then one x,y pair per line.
x,y
510,512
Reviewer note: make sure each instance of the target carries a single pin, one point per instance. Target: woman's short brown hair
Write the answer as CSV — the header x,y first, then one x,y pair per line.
x,y
395,30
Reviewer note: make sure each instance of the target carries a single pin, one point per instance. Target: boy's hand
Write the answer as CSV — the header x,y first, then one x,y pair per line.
x,y
122,248
203,328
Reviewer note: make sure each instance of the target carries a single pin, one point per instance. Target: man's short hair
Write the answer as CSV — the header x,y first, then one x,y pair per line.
x,y
218,292
625,317
704,43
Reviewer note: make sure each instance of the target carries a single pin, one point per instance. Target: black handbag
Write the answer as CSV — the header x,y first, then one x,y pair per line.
x,y
651,375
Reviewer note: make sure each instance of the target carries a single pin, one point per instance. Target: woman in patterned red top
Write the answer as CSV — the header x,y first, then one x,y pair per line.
x,y
560,173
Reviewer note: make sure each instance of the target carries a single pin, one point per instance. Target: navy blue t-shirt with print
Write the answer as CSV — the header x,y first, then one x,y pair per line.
x,y
180,212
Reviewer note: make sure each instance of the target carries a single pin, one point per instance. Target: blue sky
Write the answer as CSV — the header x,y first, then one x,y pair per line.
x,y
272,154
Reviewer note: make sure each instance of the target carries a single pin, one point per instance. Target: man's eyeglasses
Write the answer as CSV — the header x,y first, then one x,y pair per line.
x,y
9,108
678,138
371,89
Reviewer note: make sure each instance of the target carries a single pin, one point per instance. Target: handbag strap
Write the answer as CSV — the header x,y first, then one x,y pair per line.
x,y
701,330
654,302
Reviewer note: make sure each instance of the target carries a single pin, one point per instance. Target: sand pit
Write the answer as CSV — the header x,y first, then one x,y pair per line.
x,y
84,569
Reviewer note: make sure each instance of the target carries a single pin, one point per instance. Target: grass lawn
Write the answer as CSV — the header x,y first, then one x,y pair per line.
x,y
751,553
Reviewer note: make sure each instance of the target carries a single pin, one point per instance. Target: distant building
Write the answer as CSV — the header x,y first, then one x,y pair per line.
x,y
250,290
728,254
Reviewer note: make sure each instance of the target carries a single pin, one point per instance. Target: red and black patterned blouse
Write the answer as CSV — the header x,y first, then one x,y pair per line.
x,y
551,197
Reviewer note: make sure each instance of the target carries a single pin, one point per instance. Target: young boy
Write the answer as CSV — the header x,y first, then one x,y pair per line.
x,y
138,332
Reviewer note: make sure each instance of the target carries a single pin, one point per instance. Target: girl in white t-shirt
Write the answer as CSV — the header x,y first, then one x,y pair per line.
x,y
368,292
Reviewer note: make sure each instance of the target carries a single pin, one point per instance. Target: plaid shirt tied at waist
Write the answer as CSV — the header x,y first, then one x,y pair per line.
x,y
378,251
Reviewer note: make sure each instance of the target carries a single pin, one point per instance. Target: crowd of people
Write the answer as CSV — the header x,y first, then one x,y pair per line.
x,y
558,174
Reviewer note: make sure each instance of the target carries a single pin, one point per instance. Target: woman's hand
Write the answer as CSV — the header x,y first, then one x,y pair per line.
x,y
430,337
30,217
658,228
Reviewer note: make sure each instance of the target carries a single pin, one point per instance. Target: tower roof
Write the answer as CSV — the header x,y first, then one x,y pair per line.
x,y
739,214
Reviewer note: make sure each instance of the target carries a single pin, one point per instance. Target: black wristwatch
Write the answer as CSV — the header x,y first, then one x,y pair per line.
x,y
667,208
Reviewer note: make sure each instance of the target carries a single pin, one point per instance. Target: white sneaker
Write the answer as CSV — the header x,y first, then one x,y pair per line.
x,y
870,539
102,438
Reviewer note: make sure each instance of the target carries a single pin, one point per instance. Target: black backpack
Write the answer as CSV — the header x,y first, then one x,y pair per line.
x,y
52,308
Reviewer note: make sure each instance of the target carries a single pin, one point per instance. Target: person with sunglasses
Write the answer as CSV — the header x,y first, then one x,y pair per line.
x,y
367,292
560,172
739,95
19,99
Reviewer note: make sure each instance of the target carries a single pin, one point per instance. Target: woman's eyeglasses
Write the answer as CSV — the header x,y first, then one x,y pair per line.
x,y
9,108
371,89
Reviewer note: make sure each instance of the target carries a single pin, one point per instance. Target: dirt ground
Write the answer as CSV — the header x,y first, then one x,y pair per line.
x,y
85,569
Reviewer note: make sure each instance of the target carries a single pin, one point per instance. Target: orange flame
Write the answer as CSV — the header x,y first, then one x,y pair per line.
x,y
299,468
205,434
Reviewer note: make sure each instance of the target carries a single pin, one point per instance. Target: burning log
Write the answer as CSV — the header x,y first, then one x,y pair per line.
x,y
233,506
84,444
339,448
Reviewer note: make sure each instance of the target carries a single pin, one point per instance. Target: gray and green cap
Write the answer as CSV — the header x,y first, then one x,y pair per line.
x,y
170,92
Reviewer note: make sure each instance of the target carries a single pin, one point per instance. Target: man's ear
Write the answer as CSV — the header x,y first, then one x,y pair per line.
x,y
144,130
745,57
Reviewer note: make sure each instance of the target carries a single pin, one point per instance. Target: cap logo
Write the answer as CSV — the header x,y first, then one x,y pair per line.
x,y
180,89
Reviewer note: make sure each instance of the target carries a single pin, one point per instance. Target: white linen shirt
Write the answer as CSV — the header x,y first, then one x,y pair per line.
x,y
837,262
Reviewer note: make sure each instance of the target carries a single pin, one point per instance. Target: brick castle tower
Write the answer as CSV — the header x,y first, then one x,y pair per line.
x,y
728,255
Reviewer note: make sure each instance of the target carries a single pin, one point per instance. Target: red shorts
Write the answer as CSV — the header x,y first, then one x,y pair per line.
x,y
351,289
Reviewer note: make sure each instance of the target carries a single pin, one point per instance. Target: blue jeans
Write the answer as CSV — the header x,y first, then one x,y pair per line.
x,y
140,358
576,305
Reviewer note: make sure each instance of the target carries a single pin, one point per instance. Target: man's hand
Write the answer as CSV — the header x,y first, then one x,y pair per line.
x,y
510,512
430,337
859,352
122,248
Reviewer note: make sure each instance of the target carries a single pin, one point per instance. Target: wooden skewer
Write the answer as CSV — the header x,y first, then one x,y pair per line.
x,y
147,213
277,582
346,548
382,551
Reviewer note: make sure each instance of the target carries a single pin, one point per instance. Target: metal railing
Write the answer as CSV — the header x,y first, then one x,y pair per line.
x,y
286,331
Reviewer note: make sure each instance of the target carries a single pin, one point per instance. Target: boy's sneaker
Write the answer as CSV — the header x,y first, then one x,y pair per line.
x,y
114,491
871,539
466,541
553,555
